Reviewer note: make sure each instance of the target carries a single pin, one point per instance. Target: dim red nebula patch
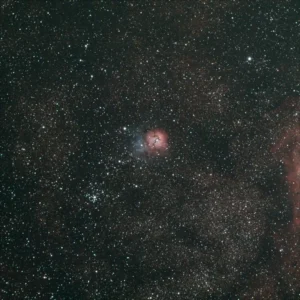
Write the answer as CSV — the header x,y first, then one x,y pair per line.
x,y
287,150
156,142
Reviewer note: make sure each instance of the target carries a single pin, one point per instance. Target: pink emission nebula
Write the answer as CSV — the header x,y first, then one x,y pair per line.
x,y
157,142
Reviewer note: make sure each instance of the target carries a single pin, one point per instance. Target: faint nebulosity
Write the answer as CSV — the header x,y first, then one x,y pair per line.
x,y
150,150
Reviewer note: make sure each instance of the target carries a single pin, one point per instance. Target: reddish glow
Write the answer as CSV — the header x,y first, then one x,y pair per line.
x,y
157,142
288,151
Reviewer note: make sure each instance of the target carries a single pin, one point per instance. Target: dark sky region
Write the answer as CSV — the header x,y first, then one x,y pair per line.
x,y
150,149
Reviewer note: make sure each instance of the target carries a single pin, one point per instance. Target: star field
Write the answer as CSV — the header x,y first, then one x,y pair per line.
x,y
150,150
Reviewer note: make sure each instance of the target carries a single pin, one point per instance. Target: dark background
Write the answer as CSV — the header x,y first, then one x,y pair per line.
x,y
84,213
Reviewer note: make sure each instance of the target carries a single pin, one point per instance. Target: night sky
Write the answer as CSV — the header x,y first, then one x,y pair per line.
x,y
150,149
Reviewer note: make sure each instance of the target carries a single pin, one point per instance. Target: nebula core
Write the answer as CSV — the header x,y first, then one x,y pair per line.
x,y
157,142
